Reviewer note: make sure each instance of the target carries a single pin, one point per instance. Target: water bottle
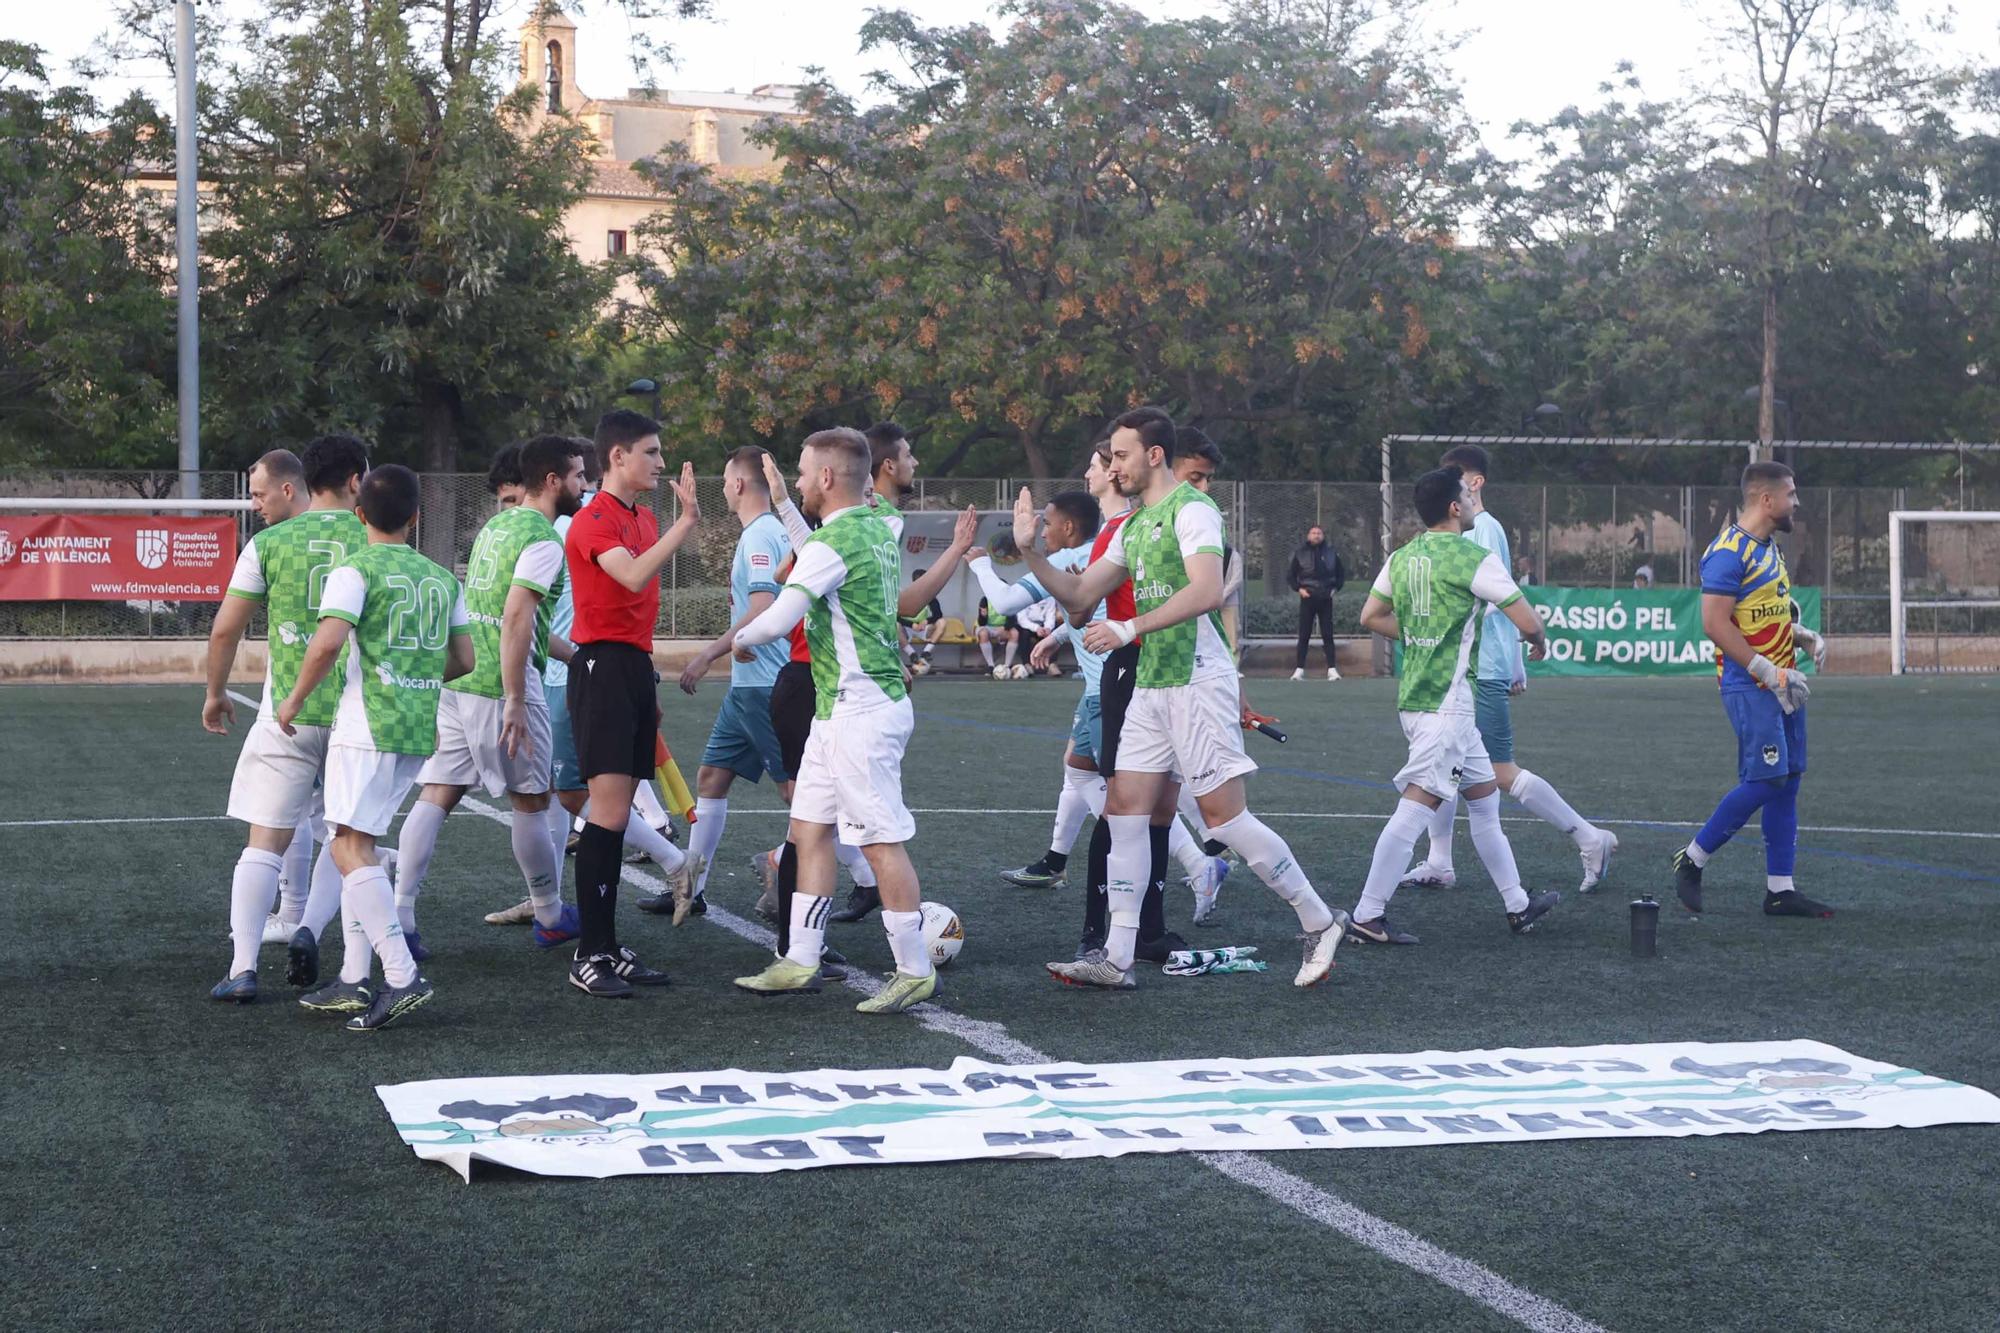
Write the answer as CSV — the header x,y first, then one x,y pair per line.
x,y
1645,925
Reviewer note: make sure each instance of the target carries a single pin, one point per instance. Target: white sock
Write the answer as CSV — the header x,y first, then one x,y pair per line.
x,y
808,929
540,862
711,814
641,836
366,896
1073,806
1182,847
296,882
647,802
1392,856
906,941
986,651
323,903
1266,853
1439,856
1126,873
558,826
1778,884
1696,853
857,865
1495,852
414,849
358,959
1012,644
252,890
1542,800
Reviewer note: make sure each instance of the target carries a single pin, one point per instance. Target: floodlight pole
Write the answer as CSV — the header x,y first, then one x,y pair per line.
x,y
187,272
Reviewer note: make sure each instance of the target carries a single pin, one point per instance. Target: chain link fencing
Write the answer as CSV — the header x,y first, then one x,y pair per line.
x,y
1571,535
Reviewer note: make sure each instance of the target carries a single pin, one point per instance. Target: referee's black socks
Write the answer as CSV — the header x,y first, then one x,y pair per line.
x,y
600,853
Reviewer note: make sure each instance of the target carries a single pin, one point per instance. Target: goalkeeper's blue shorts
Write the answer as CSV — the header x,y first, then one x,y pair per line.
x,y
1770,743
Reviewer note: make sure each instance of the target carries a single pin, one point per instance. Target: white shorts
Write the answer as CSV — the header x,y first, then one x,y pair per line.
x,y
1446,753
852,775
276,774
1194,731
469,752
365,788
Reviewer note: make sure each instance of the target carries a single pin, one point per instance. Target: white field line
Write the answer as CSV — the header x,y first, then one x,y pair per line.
x,y
1330,1210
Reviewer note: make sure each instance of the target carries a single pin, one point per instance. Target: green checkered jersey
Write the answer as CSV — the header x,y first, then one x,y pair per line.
x,y
851,569
284,567
1436,583
404,608
518,548
1154,544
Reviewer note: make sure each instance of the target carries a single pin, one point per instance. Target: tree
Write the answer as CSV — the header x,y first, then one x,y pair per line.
x,y
1233,218
86,322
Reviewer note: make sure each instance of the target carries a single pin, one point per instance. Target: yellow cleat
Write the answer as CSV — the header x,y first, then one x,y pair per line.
x,y
782,977
903,992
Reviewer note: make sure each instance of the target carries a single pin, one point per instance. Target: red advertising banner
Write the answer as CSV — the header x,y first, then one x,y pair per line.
x,y
93,557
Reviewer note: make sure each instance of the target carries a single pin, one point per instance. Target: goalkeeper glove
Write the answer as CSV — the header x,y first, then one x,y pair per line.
x,y
1789,686
1814,645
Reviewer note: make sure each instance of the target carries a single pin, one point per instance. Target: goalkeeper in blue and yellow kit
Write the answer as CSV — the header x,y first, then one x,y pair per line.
x,y
1748,614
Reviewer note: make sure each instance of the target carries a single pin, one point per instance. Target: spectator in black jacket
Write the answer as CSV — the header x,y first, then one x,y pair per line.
x,y
1316,575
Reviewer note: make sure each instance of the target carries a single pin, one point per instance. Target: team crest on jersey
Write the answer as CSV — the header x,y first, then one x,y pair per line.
x,y
1457,776
289,633
1770,754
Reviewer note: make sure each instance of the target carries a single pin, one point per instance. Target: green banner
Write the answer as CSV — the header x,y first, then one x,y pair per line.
x,y
1633,631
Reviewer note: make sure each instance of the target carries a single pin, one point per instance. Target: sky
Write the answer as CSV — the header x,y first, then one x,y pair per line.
x,y
1518,60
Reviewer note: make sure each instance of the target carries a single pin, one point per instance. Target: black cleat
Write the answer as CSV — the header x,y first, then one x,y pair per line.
x,y
657,904
239,989
1539,905
593,976
1156,950
1384,931
1089,944
391,1003
1793,903
1687,881
861,900
302,959
340,997
629,969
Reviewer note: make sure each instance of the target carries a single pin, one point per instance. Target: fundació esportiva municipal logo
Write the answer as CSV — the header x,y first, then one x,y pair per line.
x,y
152,545
7,548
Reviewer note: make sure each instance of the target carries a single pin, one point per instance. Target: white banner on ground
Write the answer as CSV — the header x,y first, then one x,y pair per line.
x,y
732,1120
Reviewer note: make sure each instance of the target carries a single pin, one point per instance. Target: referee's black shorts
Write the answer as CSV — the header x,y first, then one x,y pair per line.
x,y
792,702
614,709
1114,694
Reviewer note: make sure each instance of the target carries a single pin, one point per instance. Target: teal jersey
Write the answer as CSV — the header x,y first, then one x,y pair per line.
x,y
1154,544
518,548
284,567
1499,641
851,570
1435,583
404,609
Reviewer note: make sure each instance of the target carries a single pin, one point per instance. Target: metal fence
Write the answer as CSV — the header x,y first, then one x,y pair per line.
x,y
1574,535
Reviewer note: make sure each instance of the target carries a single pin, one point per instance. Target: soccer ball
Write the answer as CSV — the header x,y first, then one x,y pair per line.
x,y
999,673
944,935
1020,672
921,667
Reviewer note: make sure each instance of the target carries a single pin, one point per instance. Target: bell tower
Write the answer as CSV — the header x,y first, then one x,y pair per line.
x,y
548,62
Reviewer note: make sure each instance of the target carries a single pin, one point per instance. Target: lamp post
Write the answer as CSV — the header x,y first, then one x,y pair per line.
x,y
187,277
1546,419
648,389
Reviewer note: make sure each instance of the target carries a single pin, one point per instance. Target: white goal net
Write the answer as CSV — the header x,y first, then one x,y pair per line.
x,y
1944,590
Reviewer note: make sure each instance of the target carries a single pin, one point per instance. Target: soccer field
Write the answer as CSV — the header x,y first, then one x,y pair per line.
x,y
172,1162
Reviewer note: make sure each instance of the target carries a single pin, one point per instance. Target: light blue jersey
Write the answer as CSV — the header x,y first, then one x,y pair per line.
x,y
1072,561
1499,640
761,552
555,675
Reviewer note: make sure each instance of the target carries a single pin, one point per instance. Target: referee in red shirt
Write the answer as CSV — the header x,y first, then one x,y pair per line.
x,y
615,552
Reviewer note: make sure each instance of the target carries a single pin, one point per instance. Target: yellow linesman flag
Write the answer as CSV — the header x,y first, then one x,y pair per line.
x,y
674,791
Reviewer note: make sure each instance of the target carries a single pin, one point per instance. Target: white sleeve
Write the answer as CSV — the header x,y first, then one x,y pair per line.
x,y
537,566
344,594
819,569
248,578
461,623
787,609
1114,551
1492,583
795,523
1198,527
1382,587
1003,597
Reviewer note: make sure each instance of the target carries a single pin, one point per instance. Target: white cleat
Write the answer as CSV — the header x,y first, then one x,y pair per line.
x,y
1332,673
277,930
1300,674
1094,969
520,914
1427,876
1597,860
1207,886
681,884
1319,947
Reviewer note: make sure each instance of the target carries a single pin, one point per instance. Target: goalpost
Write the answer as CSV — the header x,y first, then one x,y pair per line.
x,y
1946,563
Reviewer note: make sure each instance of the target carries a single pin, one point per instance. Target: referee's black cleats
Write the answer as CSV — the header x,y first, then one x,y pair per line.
x,y
593,976
861,900
1539,906
1687,881
1793,903
1157,949
633,972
